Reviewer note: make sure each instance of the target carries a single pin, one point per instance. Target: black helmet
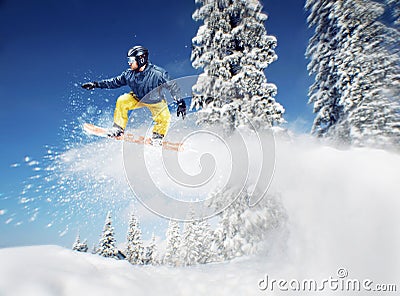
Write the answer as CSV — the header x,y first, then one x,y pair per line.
x,y
141,55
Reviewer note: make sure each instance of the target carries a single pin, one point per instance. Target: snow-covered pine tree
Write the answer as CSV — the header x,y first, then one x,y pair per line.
x,y
150,256
233,48
229,236
76,244
189,251
243,230
191,241
370,75
364,74
206,254
107,242
84,246
395,5
173,236
262,222
80,246
322,50
217,247
134,246
232,223
94,249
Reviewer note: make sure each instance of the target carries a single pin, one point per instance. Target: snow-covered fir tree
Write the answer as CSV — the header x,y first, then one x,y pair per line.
x,y
371,98
262,222
322,50
196,243
134,246
243,230
107,247
363,74
150,256
190,242
217,247
172,254
233,48
76,244
395,6
232,224
84,246
206,254
228,237
80,246
94,249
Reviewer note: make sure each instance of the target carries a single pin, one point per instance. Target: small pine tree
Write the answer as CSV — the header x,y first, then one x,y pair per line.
x,y
134,246
217,246
228,238
205,238
150,256
232,222
190,244
80,246
242,230
107,244
196,242
84,246
173,235
76,244
94,249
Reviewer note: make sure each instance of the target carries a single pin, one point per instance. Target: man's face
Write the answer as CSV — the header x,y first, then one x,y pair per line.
x,y
133,64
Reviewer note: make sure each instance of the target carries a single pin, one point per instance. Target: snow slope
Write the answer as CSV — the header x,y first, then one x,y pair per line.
x,y
52,270
343,209
343,215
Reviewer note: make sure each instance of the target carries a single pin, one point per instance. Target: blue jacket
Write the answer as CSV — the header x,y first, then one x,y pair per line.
x,y
144,84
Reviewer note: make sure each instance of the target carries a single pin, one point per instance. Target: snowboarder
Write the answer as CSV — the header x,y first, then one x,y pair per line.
x,y
142,77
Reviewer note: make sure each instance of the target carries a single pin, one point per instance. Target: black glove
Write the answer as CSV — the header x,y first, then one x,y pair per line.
x,y
90,85
181,110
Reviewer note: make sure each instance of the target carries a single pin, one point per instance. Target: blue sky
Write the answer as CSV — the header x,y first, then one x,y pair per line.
x,y
47,48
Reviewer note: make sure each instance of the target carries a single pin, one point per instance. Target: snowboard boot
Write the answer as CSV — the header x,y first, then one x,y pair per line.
x,y
115,132
156,139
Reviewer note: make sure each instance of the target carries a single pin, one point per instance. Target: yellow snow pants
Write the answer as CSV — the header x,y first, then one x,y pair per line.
x,y
129,101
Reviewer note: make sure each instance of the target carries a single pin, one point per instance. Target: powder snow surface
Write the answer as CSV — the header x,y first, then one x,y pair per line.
x,y
343,213
53,270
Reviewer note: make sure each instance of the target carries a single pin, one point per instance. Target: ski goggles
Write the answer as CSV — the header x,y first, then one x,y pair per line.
x,y
131,60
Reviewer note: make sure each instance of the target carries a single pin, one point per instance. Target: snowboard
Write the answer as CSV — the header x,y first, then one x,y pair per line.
x,y
128,137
